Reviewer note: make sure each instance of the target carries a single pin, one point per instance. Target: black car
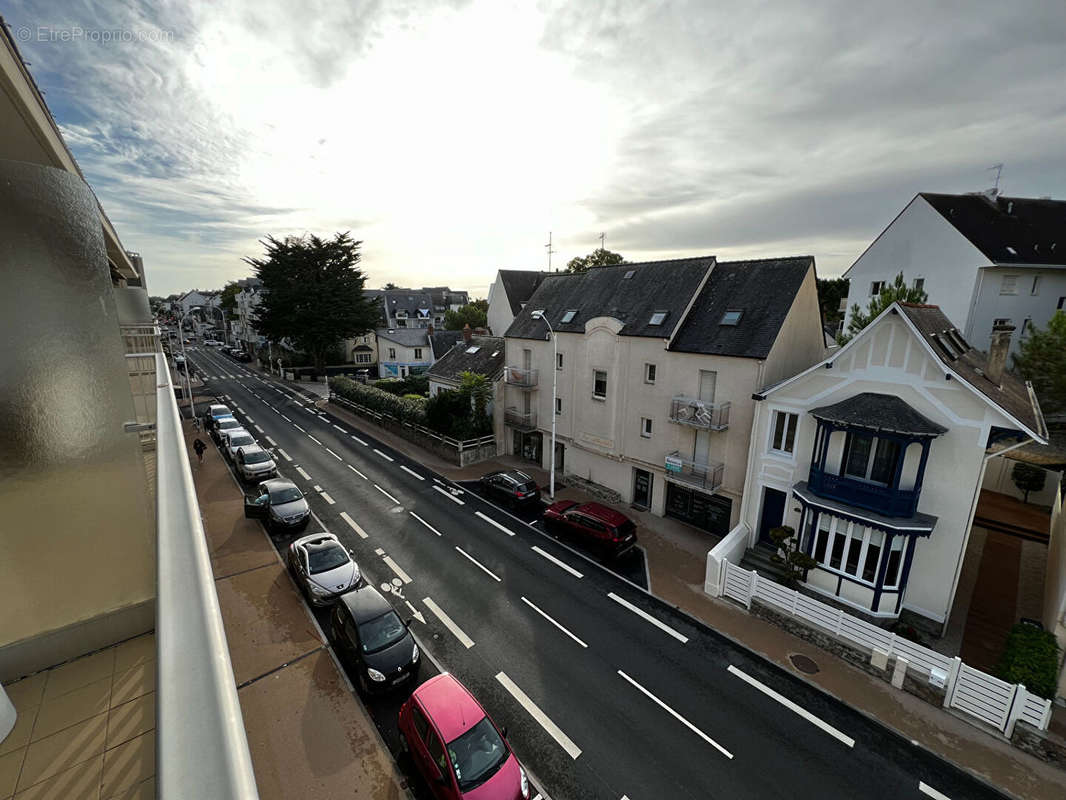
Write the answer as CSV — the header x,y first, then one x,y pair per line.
x,y
373,638
511,486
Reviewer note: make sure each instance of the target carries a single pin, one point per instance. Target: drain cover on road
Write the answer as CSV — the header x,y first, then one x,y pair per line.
x,y
803,663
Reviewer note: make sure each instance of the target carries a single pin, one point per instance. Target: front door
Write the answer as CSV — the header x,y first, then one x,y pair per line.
x,y
773,513
642,488
560,451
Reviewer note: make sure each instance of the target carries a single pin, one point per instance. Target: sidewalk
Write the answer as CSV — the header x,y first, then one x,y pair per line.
x,y
308,734
676,555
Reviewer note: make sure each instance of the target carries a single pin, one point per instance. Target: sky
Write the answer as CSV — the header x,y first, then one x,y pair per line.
x,y
451,137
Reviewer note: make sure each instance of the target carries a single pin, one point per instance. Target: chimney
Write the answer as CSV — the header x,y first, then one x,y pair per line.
x,y
997,352
467,333
429,329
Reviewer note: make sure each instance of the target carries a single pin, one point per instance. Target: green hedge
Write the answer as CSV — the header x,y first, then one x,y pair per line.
x,y
412,384
1030,658
402,408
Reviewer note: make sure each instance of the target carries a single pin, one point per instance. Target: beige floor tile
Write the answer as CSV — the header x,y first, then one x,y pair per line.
x,y
135,651
27,692
10,764
132,683
129,764
130,720
142,791
79,673
20,734
81,782
61,751
72,707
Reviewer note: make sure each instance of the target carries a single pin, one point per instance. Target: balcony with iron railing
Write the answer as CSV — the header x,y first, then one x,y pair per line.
x,y
522,420
703,475
520,377
699,413
872,496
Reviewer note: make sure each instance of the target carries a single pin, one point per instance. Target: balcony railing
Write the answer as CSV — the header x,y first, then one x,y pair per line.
x,y
141,344
201,746
523,420
699,413
700,474
863,494
517,376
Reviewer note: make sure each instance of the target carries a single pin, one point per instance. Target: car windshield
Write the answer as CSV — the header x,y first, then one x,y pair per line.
x,y
380,632
241,439
227,424
325,558
477,754
288,495
257,457
527,487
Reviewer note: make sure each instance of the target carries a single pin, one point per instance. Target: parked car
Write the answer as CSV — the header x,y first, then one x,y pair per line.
x,y
215,412
456,746
234,440
374,639
254,464
224,425
279,503
212,342
323,568
511,486
596,526
179,361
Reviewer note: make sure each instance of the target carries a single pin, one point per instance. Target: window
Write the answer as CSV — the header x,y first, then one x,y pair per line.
x,y
401,322
645,427
1001,321
558,360
783,438
657,318
392,353
558,405
1035,289
1027,326
421,724
569,316
629,274
876,287
649,373
362,358
919,283
731,317
1062,302
418,354
599,384
895,557
870,458
473,349
436,753
1009,285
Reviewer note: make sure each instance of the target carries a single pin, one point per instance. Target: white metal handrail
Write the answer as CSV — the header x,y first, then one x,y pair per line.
x,y
201,746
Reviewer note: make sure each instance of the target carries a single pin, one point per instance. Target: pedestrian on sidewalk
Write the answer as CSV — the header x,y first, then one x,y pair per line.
x,y
199,447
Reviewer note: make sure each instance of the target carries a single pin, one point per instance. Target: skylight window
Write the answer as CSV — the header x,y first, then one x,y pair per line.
x,y
473,349
629,274
731,317
1011,250
569,315
495,353
657,318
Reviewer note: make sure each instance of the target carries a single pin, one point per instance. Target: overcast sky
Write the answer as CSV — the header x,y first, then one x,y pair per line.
x,y
452,137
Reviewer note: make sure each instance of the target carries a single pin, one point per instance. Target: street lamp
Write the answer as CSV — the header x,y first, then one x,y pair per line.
x,y
539,314
185,360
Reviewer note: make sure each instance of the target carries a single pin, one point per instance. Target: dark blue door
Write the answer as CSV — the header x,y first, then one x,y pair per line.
x,y
773,513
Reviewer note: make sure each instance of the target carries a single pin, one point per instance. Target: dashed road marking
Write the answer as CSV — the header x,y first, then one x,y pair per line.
x,y
248,418
327,498
334,454
411,472
301,430
558,562
449,495
364,444
448,623
338,427
479,565
413,514
534,711
272,442
553,622
492,522
403,576
313,439
384,455
285,455
678,717
393,499
926,789
306,477
645,615
379,551
258,428
357,472
354,525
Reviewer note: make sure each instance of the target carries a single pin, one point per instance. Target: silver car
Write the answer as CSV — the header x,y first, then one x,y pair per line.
x,y
323,568
234,440
280,504
254,464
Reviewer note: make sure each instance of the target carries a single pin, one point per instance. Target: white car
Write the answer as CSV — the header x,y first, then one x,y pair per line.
x,y
234,440
255,464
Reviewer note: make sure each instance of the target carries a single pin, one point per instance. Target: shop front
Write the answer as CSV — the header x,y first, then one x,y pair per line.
x,y
706,511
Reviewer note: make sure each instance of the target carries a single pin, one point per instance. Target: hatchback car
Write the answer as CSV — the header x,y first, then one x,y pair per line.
x,y
374,639
280,504
323,568
224,425
234,440
456,746
216,412
255,464
179,361
511,486
596,526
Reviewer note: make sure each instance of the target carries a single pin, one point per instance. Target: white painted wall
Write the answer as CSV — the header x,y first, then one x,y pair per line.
x,y
997,479
991,304
499,314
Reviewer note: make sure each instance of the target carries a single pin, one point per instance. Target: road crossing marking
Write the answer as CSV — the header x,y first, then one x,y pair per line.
x,y
534,711
449,495
338,427
645,615
413,514
403,576
304,474
364,444
480,566
384,455
926,789
553,622
357,472
678,717
313,439
447,622
285,455
558,562
412,472
354,525
494,523
807,715
393,499
334,454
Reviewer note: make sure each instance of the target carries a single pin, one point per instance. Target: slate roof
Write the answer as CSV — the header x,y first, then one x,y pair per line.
x,y
443,341
519,285
407,300
1013,395
763,290
408,337
487,361
605,292
443,296
1034,228
879,412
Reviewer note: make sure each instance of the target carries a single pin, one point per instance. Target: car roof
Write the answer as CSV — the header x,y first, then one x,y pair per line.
x,y
275,484
219,409
234,432
603,513
450,705
365,603
252,448
316,537
227,418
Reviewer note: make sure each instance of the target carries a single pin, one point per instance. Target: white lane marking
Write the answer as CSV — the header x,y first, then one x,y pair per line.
x,y
249,419
379,551
284,417
327,498
393,499
553,622
413,514
678,717
306,477
364,444
313,439
301,430
403,576
258,428
317,488
450,496
285,455
338,427
645,615
480,566
456,631
334,454
411,472
355,525
926,789
558,562
552,729
493,523
272,442
241,410
807,715
384,455
415,612
357,472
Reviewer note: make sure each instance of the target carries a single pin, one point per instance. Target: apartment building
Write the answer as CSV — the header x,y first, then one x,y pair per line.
x,y
655,365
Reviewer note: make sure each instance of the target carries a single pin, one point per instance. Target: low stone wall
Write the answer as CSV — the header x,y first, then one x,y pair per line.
x,y
595,490
1045,746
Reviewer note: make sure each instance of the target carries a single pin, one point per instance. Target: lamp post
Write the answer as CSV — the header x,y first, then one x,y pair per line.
x,y
539,314
185,362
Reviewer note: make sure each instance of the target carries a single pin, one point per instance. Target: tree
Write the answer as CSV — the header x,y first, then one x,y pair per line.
x,y
478,388
390,285
475,314
1028,478
890,293
795,562
312,293
1042,360
227,299
830,292
597,258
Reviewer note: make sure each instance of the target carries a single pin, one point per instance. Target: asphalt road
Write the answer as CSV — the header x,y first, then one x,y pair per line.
x,y
606,691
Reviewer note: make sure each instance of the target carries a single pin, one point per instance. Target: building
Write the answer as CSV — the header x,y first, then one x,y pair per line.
x,y
440,342
481,355
363,351
403,352
981,257
194,298
445,300
248,298
877,454
656,367
508,294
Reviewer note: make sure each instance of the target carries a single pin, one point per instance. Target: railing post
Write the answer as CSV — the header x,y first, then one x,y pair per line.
x,y
795,601
723,567
752,584
1014,711
840,618
953,679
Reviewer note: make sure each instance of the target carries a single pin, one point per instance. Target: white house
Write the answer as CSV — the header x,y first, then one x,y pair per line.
x,y
481,355
507,294
656,366
248,298
876,457
403,352
980,257
192,299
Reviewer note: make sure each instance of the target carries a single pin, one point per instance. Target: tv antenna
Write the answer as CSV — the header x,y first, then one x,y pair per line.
x,y
603,237
999,171
548,246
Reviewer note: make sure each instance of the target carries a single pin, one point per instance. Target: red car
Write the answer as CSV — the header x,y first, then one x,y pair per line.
x,y
594,525
456,746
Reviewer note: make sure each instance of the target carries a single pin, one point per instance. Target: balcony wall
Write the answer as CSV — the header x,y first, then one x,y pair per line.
x,y
523,420
522,378
699,414
863,494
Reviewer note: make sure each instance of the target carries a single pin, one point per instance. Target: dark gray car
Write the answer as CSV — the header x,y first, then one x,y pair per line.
x,y
372,637
280,504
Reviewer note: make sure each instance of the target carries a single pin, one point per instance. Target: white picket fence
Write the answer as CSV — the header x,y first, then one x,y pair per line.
x,y
977,694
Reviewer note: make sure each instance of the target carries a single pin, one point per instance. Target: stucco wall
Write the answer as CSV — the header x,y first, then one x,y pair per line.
x,y
991,304
998,479
499,314
1055,583
801,341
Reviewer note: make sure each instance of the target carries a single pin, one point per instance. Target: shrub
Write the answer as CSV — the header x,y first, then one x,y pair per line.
x,y
402,408
412,384
1030,658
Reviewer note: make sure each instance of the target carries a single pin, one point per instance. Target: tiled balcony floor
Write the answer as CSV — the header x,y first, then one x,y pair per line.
x,y
85,729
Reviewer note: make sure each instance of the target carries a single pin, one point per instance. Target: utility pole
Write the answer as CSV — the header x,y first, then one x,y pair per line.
x,y
603,238
550,251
